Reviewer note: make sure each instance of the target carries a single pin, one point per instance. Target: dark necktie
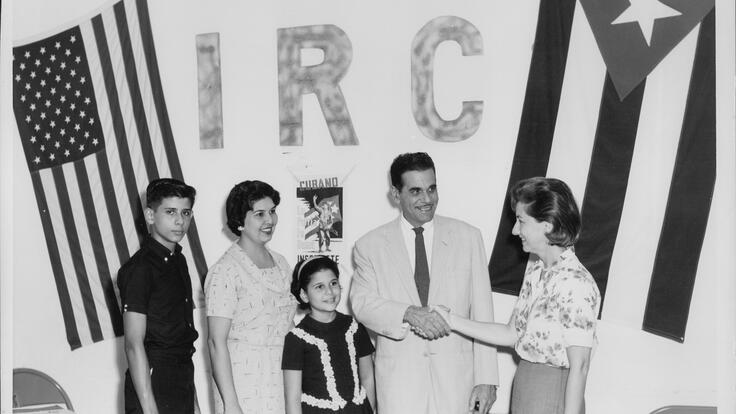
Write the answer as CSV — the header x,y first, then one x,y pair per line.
x,y
421,267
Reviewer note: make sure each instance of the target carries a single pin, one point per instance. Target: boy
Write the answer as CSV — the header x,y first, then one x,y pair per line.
x,y
156,293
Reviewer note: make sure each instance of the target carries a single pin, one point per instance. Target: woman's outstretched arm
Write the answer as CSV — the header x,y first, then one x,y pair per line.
x,y
490,332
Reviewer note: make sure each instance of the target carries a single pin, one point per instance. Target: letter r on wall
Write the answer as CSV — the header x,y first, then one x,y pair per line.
x,y
322,79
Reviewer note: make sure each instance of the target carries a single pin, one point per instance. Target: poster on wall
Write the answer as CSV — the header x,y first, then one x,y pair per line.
x,y
319,218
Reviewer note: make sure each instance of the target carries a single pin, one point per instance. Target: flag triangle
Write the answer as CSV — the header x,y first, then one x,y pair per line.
x,y
633,36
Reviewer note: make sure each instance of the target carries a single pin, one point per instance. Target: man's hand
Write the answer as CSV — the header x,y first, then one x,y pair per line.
x,y
427,324
484,395
444,312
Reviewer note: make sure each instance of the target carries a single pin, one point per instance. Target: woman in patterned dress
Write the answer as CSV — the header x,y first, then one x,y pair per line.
x,y
249,307
552,326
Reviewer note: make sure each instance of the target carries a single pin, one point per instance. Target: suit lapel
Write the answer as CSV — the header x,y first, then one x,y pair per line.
x,y
399,257
440,253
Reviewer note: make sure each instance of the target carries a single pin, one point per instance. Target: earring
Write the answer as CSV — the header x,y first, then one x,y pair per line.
x,y
241,228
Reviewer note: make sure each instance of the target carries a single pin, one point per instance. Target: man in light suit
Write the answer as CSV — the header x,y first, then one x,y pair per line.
x,y
401,271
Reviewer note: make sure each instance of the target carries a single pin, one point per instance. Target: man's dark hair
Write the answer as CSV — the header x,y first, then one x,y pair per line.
x,y
410,161
162,188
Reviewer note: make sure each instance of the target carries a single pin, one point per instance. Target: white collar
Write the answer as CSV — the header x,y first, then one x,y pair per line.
x,y
428,226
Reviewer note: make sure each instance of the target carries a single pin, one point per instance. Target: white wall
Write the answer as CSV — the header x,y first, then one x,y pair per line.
x,y
632,372
6,213
724,202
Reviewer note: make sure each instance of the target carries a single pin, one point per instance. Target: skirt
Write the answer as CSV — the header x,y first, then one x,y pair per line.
x,y
538,389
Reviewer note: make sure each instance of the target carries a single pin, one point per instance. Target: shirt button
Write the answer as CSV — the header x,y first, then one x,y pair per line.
x,y
166,259
186,300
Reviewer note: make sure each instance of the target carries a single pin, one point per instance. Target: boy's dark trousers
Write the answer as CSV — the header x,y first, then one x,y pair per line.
x,y
172,380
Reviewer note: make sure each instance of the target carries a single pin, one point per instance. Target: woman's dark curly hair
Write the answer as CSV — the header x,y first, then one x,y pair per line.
x,y
241,200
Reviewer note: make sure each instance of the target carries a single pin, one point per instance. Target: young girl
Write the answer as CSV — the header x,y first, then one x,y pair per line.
x,y
327,361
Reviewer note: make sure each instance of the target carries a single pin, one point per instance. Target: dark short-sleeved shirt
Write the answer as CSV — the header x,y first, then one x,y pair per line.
x,y
328,354
156,283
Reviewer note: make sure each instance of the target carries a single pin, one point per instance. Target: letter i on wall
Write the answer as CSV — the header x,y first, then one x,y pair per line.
x,y
210,91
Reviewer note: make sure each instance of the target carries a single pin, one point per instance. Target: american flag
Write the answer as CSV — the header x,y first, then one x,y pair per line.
x,y
647,138
94,127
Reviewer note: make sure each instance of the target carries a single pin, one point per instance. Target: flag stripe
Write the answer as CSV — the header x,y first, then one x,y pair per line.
x,y
107,188
658,132
577,116
109,239
65,254
157,89
154,130
689,201
536,131
98,249
67,311
196,249
608,176
127,237
163,121
80,270
125,100
118,122
139,114
96,300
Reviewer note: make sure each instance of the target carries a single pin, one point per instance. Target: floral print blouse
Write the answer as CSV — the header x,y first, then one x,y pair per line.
x,y
557,307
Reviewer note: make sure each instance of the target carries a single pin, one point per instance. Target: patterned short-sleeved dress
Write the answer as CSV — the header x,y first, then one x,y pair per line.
x,y
262,310
328,354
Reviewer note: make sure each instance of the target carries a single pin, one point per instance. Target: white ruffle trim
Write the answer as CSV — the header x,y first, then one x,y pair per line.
x,y
335,402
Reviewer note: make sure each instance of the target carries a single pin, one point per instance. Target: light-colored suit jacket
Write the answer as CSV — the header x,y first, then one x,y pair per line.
x,y
412,373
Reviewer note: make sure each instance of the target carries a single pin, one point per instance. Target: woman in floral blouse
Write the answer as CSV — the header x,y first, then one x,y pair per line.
x,y
552,327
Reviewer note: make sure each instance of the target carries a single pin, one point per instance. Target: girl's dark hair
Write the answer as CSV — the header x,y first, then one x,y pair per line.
x,y
303,272
550,200
241,200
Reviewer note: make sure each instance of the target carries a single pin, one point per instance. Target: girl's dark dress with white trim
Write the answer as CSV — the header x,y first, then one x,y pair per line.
x,y
328,354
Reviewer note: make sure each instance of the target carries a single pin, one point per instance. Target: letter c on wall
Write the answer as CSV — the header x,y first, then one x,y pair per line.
x,y
423,48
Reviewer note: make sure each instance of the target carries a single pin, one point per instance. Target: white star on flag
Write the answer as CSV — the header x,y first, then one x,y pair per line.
x,y
645,12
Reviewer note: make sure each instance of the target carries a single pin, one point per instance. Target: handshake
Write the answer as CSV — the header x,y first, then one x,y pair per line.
x,y
430,322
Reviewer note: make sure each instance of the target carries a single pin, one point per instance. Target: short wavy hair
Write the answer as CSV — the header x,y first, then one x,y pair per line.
x,y
161,188
550,200
241,199
410,161
303,272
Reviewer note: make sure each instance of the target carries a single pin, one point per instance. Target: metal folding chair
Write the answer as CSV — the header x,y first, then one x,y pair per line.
x,y
685,409
36,392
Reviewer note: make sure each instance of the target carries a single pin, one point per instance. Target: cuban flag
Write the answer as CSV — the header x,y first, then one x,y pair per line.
x,y
632,85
